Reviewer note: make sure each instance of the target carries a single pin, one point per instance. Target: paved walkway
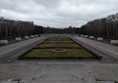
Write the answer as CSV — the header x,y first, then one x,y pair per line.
x,y
6,50
103,47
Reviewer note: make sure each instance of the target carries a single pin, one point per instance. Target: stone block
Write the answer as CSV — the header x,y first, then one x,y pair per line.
x,y
36,35
100,38
86,35
91,37
4,41
26,37
18,38
82,35
32,36
114,41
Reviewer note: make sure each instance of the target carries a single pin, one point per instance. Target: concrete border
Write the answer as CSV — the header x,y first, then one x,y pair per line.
x,y
114,41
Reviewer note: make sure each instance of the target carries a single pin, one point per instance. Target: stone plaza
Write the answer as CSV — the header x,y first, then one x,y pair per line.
x,y
58,71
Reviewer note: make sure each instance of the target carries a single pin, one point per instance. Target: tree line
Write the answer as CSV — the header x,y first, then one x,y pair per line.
x,y
14,28
104,27
10,29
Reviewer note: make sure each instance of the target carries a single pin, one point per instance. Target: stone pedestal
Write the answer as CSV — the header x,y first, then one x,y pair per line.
x,y
4,41
91,37
99,38
82,35
114,41
18,39
36,35
86,35
32,36
26,37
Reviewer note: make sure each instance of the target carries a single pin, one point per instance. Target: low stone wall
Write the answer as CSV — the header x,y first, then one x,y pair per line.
x,y
4,41
86,35
114,41
91,37
18,38
26,37
32,36
82,35
99,38
36,35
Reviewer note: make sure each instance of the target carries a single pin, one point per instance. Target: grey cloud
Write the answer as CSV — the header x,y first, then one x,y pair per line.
x,y
48,3
58,13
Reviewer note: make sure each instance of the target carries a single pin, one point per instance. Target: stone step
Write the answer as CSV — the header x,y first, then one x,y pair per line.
x,y
58,81
54,78
9,82
25,81
105,82
58,77
89,80
86,80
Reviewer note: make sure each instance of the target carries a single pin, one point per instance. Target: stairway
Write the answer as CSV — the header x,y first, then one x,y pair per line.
x,y
57,79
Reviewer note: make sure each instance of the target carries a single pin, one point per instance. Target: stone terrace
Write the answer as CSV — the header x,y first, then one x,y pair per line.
x,y
21,71
58,71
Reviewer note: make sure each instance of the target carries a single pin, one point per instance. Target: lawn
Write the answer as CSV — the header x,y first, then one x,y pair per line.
x,y
64,42
48,53
59,38
71,50
55,45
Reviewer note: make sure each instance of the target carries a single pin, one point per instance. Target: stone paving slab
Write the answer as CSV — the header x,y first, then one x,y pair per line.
x,y
25,81
89,80
55,78
9,82
4,82
58,81
58,77
105,82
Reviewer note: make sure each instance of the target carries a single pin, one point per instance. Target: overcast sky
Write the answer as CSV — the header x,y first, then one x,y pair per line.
x,y
57,13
